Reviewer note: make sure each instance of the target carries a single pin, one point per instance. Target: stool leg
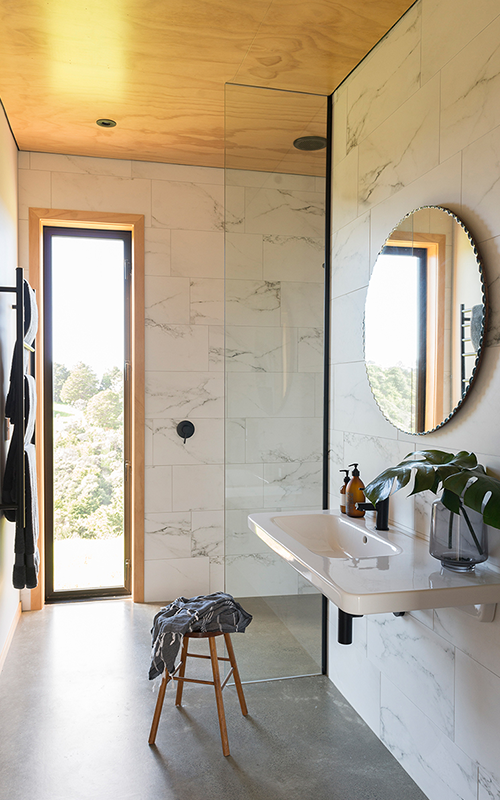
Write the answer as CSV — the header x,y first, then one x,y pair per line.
x,y
218,697
182,670
158,708
236,674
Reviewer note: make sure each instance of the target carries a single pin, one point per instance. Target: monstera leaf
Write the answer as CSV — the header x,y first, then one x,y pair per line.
x,y
462,479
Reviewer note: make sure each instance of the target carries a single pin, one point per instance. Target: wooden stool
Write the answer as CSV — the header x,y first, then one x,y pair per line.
x,y
216,683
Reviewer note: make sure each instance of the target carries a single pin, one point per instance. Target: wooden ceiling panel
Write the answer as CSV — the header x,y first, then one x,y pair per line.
x,y
158,67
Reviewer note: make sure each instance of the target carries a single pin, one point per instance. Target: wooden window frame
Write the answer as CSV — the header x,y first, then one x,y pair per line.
x,y
38,219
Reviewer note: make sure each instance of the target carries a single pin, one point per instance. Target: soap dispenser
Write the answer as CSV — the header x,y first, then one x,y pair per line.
x,y
354,494
343,489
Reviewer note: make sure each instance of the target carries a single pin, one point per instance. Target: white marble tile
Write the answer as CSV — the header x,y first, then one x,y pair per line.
x,y
217,574
293,485
351,256
418,662
206,446
116,167
148,442
293,258
447,27
102,193
310,344
477,709
23,159
489,786
34,189
167,579
239,539
251,349
345,190
425,616
177,172
440,186
490,253
184,394
207,301
235,441
216,352
244,486
253,302
479,640
158,489
339,145
352,673
336,463
208,533
481,188
284,211
187,206
259,574
284,440
302,304
437,765
157,251
385,79
470,91
234,209
198,487
166,300
167,535
347,318
271,180
354,408
176,347
197,254
319,393
268,394
243,255
23,245
401,149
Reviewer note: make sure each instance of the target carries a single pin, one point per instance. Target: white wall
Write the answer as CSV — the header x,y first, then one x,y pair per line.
x,y
9,597
418,122
183,209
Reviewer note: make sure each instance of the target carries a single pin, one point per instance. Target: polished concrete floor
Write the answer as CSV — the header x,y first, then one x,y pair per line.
x,y
76,707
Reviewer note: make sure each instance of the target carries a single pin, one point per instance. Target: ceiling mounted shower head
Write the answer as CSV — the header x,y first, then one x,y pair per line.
x,y
310,143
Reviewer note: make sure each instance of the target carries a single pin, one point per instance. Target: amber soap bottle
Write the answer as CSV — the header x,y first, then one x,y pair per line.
x,y
354,494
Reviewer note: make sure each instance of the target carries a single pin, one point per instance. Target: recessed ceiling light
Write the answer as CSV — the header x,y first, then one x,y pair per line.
x,y
105,123
310,143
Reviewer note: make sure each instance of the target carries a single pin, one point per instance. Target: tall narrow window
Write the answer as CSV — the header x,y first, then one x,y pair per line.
x,y
86,360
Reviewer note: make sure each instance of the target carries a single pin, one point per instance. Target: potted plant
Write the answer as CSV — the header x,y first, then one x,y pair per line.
x,y
470,500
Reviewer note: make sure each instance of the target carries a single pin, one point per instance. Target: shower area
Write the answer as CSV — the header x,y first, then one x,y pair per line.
x,y
274,362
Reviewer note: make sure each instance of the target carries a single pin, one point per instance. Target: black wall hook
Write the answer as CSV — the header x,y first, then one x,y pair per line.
x,y
185,429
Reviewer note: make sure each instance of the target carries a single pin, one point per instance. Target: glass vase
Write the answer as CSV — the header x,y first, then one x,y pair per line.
x,y
459,541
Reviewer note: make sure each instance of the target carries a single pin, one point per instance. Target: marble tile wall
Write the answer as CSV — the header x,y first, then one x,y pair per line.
x,y
274,352
184,272
418,123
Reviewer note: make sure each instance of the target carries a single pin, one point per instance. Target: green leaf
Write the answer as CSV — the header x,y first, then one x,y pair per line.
x,y
451,501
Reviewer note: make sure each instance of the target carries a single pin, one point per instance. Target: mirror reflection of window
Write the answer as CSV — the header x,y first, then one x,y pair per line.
x,y
424,320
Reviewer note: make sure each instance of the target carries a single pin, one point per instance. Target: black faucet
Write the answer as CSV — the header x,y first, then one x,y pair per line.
x,y
382,509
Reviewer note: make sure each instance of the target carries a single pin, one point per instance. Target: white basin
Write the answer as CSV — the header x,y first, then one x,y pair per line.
x,y
364,571
335,537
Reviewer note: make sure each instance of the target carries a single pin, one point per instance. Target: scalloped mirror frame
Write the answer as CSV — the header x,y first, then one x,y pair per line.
x,y
398,233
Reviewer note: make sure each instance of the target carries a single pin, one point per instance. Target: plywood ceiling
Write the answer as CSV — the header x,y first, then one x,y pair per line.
x,y
158,67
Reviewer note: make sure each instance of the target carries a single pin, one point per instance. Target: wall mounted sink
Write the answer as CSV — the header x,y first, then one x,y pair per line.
x,y
364,571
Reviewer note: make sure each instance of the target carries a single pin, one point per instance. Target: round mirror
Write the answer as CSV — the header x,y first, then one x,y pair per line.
x,y
425,318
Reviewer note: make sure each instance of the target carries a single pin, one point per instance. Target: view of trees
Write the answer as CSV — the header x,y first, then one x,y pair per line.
x,y
88,452
392,387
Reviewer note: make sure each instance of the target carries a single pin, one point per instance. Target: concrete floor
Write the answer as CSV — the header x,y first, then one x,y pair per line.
x,y
76,708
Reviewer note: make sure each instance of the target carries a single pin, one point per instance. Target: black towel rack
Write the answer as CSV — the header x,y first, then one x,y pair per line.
x,y
18,378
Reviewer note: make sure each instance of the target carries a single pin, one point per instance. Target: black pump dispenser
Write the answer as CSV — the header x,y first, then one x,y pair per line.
x,y
355,472
343,490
